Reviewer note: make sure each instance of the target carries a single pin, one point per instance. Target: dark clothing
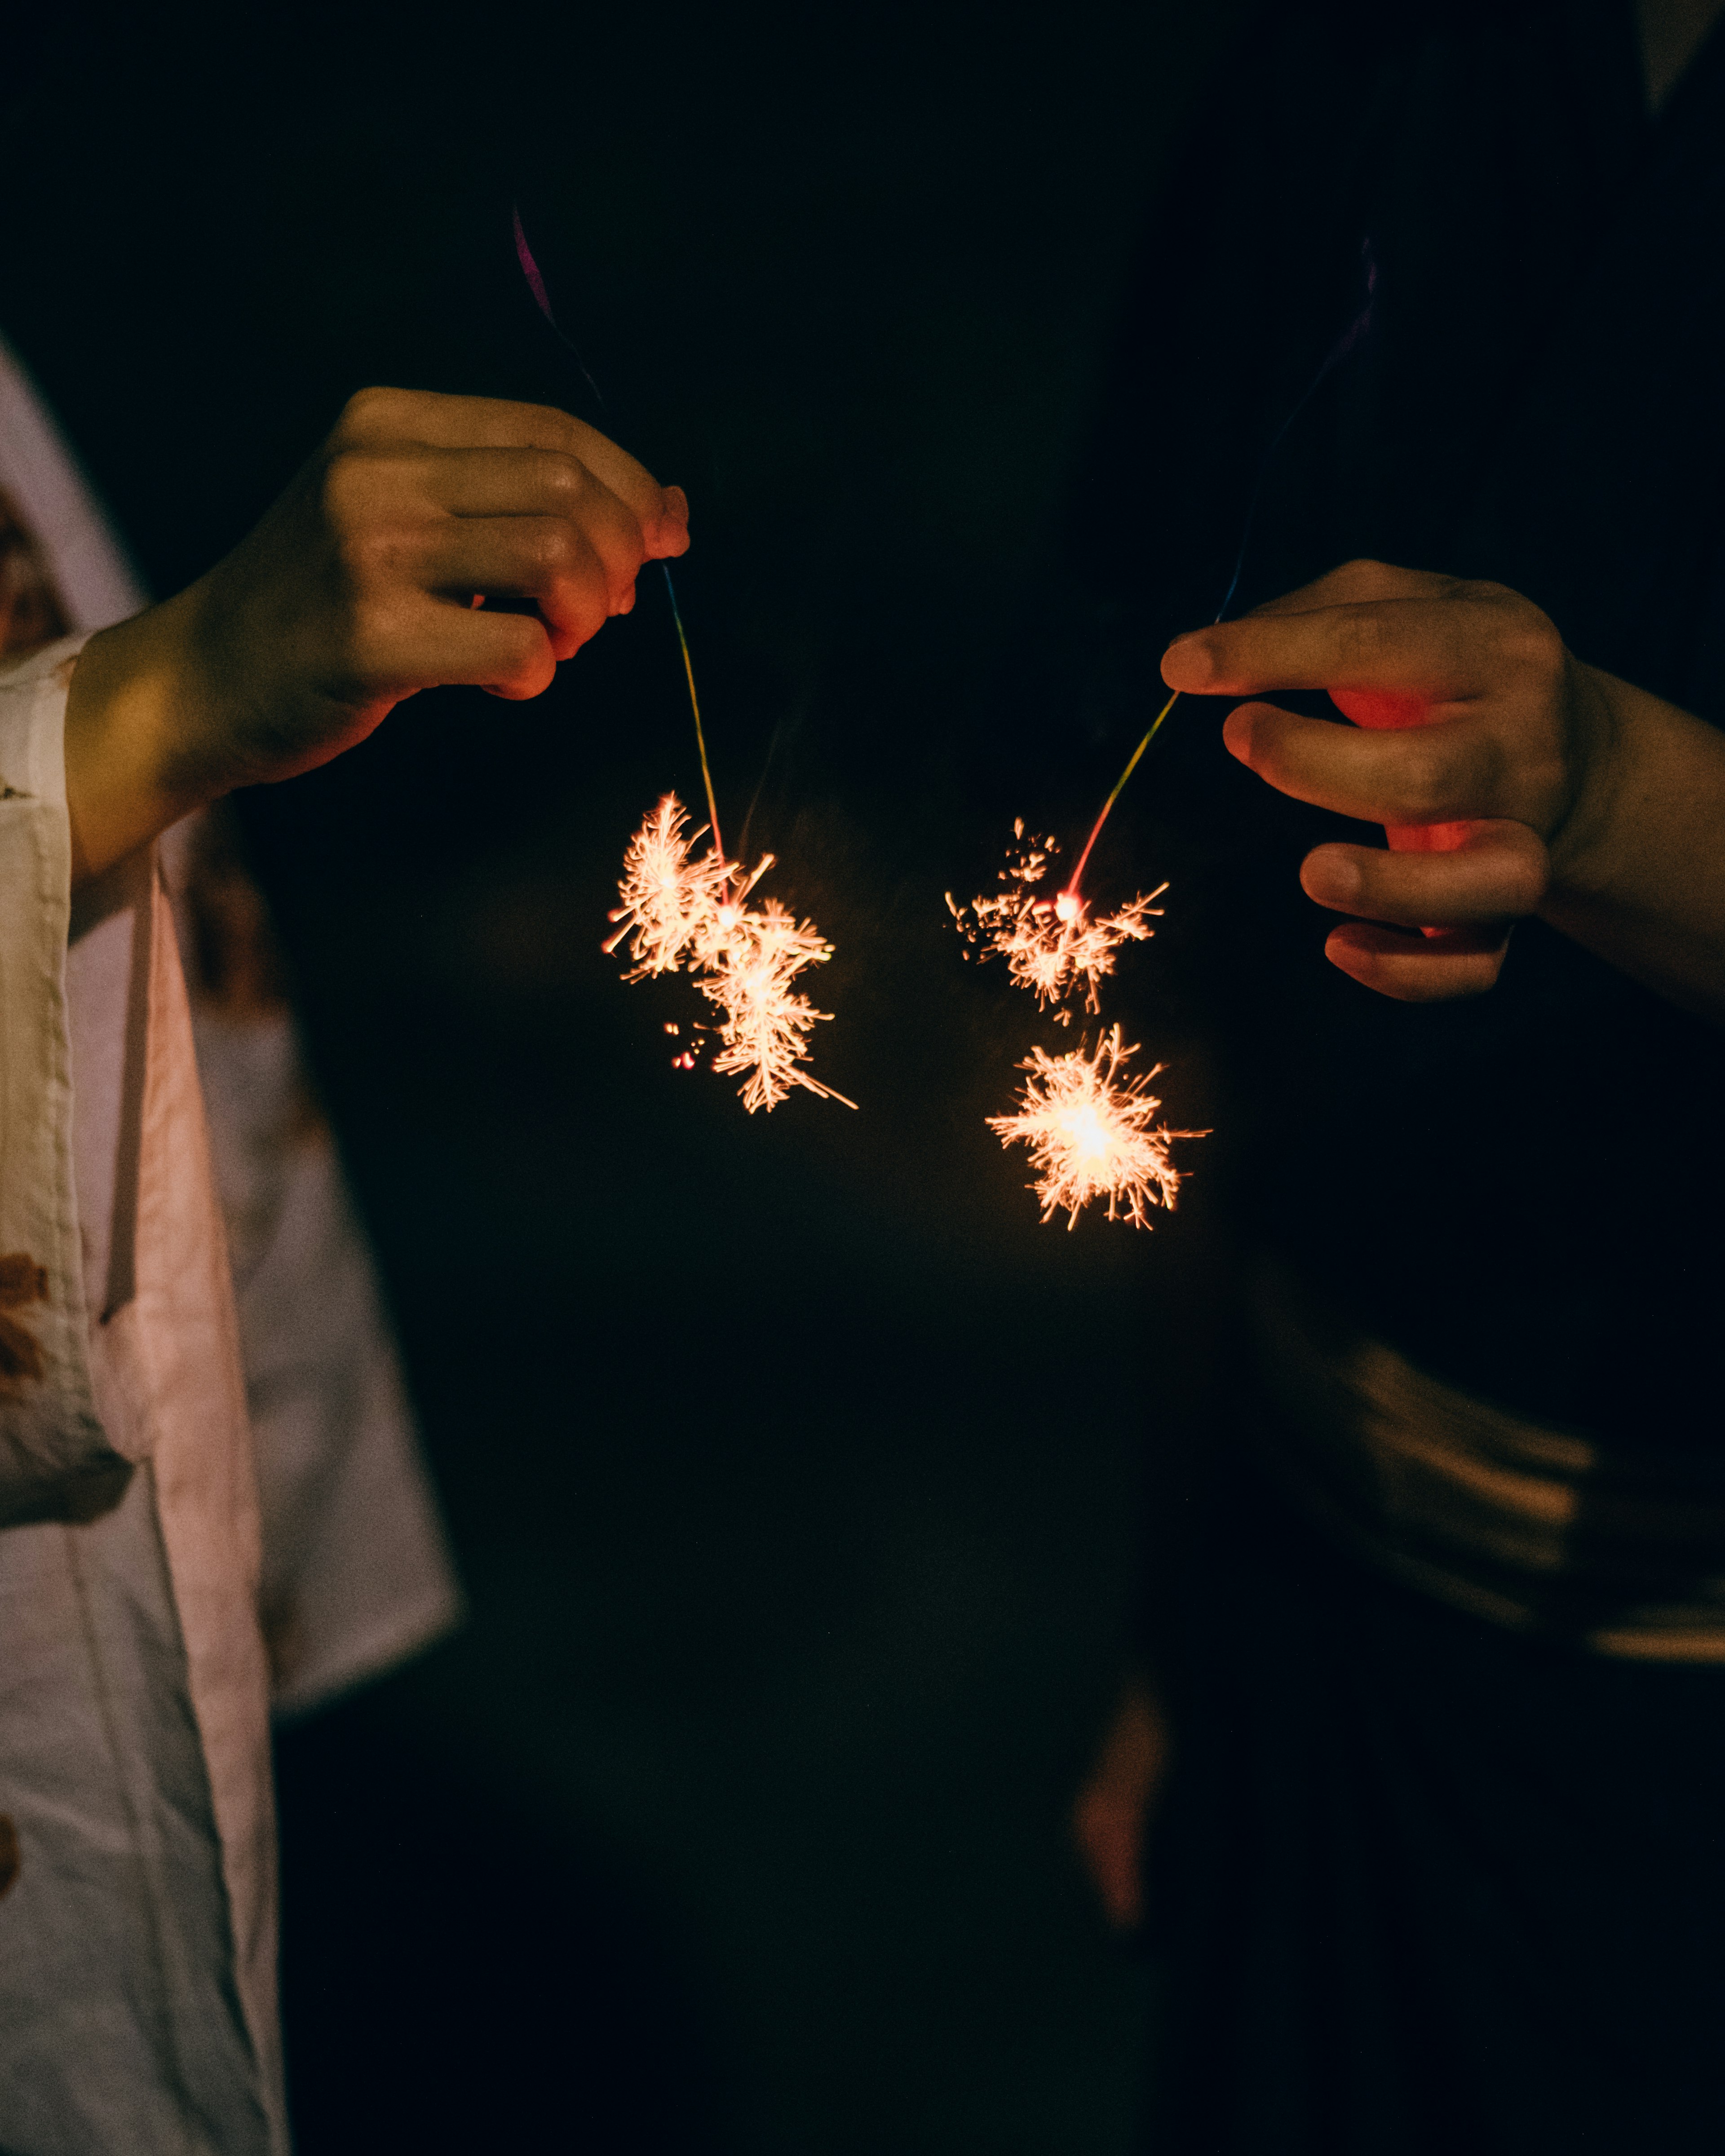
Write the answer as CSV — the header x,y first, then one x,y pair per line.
x,y
1425,1885
1508,1188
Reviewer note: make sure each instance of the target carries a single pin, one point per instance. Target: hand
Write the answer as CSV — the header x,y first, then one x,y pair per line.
x,y
359,588
1491,753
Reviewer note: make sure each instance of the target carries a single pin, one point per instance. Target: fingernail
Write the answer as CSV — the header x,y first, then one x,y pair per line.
x,y
1193,660
1333,879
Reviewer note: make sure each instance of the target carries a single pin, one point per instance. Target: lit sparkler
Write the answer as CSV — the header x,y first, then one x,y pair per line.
x,y
1093,1134
685,912
1051,946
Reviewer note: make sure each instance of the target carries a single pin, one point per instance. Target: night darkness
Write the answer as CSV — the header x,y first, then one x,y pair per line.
x,y
792,1466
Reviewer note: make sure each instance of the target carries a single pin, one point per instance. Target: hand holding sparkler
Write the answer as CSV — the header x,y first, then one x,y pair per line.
x,y
1513,780
357,590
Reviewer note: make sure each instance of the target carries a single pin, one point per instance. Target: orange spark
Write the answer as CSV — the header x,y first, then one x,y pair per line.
x,y
1050,945
1093,1134
687,913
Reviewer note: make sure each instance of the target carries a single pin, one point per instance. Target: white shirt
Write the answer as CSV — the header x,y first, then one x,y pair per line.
x,y
137,1947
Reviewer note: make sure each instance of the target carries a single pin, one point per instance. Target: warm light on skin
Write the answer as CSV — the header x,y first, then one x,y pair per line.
x,y
681,913
1051,946
1093,1134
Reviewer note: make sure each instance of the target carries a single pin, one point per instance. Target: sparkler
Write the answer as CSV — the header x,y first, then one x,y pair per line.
x,y
1093,1134
684,911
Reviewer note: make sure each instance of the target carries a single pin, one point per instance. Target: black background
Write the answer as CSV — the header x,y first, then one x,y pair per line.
x,y
791,1463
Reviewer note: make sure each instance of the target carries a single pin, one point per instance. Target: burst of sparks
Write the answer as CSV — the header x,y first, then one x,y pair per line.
x,y
682,912
671,899
1093,1133
765,1025
1051,945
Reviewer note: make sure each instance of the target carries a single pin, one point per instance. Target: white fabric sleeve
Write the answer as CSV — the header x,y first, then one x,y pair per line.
x,y
56,1462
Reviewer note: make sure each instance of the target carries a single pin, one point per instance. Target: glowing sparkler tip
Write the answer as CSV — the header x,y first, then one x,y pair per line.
x,y
1053,947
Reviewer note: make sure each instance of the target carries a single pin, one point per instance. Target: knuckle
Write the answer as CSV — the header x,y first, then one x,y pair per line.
x,y
1360,635
371,632
349,485
558,549
1537,646
367,661
367,555
1526,638
1425,781
564,480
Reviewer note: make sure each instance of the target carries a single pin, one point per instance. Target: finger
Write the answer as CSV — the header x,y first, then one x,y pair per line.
x,y
1435,774
1353,583
1446,649
378,416
1501,872
379,490
547,559
540,489
1419,969
428,644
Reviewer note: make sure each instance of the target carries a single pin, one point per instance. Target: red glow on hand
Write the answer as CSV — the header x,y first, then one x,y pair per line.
x,y
1382,709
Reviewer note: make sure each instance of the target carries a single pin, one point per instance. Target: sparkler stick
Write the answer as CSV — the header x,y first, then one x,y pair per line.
x,y
706,776
1096,831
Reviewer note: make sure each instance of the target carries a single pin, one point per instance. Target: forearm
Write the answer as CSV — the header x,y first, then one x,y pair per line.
x,y
1638,878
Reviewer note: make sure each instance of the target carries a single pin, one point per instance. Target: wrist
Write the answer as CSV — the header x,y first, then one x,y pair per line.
x,y
132,766
1585,842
